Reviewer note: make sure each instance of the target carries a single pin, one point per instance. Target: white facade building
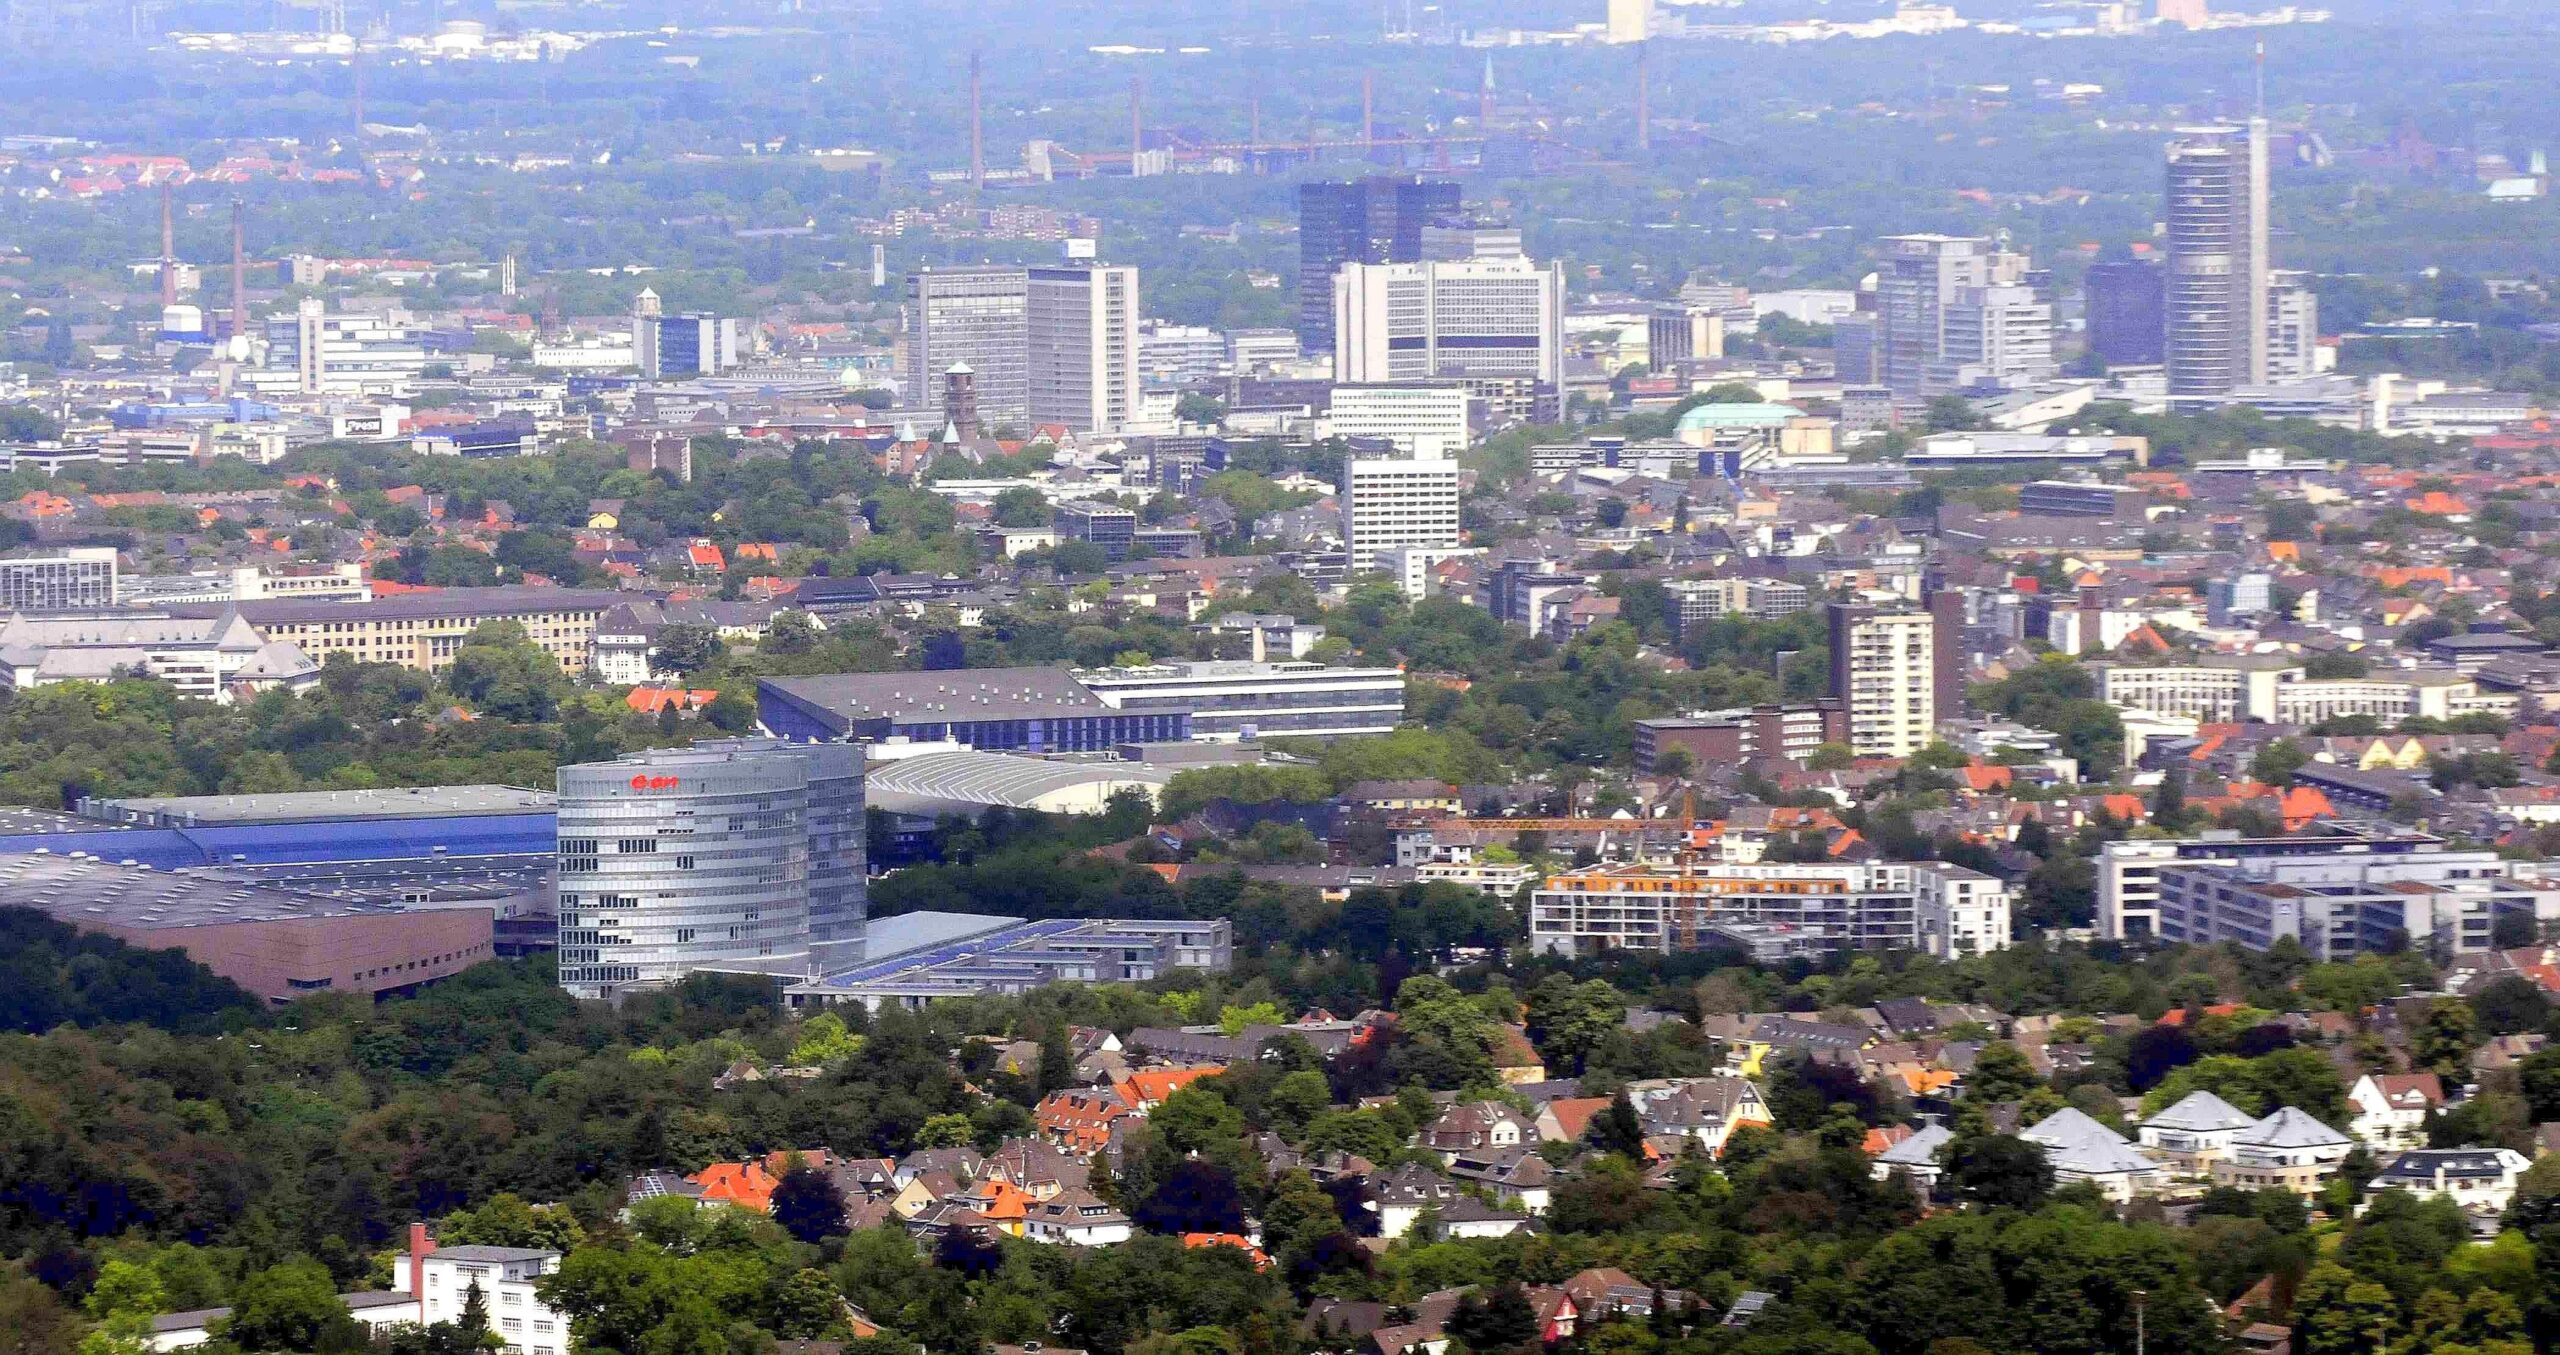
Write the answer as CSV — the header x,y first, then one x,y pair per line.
x,y
1426,422
1467,318
1882,667
507,1277
1081,327
1393,504
1232,700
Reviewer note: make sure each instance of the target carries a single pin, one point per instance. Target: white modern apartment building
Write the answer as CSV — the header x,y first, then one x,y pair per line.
x,y
1427,422
1398,503
1947,910
1696,602
1883,669
1081,332
1459,318
2338,905
1960,912
739,855
1233,700
2278,692
2129,872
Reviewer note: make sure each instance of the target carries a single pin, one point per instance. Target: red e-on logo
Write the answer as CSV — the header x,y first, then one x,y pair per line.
x,y
644,781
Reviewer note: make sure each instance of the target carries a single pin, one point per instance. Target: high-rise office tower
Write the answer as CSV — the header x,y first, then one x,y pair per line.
x,y
978,314
1929,284
1997,335
1082,330
1884,670
2123,300
1398,503
2214,334
684,345
1475,318
1373,220
1857,348
738,855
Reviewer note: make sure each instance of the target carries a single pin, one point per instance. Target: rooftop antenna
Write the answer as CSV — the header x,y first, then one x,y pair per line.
x,y
977,132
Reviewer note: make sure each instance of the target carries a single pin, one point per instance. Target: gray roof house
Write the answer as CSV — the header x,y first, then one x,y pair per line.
x,y
2081,1149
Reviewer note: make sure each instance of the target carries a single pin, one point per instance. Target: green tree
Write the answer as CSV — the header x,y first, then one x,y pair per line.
x,y
290,1307
688,646
1567,1020
1999,1171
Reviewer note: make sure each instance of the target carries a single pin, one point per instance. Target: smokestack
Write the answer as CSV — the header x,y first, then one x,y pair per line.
x,y
421,1247
239,270
1253,120
1137,122
1484,96
168,246
355,63
977,132
1644,95
1368,111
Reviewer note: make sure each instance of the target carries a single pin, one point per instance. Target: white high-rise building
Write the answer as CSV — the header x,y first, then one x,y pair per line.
x,y
2293,328
310,323
979,315
1630,20
1397,503
1427,422
1994,334
2216,311
1081,334
1883,667
1440,319
1951,305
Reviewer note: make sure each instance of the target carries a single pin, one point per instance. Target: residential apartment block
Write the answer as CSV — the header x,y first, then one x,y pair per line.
x,y
1884,668
2339,891
1946,910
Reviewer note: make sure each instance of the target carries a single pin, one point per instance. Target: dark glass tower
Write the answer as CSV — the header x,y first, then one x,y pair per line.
x,y
1374,220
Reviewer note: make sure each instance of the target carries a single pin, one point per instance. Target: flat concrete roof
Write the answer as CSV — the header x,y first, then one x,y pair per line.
x,y
958,694
92,891
410,802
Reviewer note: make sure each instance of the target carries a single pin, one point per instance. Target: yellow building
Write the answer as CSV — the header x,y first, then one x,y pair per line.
x,y
424,630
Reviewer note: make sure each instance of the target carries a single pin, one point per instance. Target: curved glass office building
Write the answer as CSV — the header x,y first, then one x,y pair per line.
x,y
741,855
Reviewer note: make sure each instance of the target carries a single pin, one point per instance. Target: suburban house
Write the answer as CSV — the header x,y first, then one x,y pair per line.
x,y
2481,1180
1077,1218
2193,1134
2288,1150
1916,1158
2390,1109
1705,1110
2081,1149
